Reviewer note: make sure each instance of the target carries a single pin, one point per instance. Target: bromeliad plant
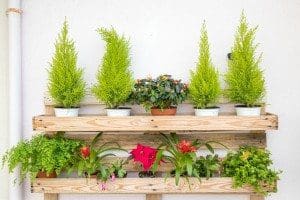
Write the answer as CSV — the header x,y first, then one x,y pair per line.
x,y
161,93
66,85
251,166
204,88
91,159
42,154
181,154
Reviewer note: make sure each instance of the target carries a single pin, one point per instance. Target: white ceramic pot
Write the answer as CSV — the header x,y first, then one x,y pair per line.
x,y
120,112
247,111
207,112
66,112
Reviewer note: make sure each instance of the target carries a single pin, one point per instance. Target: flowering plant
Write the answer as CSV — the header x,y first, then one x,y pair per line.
x,y
162,92
145,155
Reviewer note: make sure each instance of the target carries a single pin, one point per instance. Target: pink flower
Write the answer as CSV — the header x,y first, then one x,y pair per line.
x,y
103,186
146,155
112,177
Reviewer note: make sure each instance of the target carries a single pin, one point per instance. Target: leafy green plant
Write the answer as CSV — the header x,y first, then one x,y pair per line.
x,y
42,153
251,166
207,166
162,92
115,80
244,78
66,85
91,159
181,154
205,86
117,168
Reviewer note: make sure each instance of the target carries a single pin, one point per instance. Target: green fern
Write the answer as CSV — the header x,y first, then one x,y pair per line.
x,y
245,79
66,84
205,86
115,81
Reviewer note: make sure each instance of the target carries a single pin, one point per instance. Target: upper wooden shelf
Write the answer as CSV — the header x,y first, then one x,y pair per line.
x,y
155,123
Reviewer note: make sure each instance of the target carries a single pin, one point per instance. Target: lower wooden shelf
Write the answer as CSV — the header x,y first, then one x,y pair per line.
x,y
137,186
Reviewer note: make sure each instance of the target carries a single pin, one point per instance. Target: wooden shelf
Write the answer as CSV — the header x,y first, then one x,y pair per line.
x,y
155,123
138,186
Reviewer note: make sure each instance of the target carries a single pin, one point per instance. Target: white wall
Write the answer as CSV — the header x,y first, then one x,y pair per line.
x,y
164,36
3,97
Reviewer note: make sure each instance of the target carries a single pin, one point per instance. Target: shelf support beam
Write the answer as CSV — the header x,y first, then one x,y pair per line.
x,y
153,196
50,196
256,197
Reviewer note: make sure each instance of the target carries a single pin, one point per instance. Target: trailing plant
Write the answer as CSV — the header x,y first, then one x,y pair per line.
x,y
162,92
245,80
91,158
205,86
208,166
181,154
117,169
115,80
251,166
66,85
42,153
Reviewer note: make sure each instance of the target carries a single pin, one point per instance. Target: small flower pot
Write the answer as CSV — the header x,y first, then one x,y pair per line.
x,y
213,111
45,175
163,112
242,110
66,112
119,112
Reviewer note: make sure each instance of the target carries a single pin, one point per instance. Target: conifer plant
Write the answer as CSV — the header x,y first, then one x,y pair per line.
x,y
205,86
245,80
115,80
66,84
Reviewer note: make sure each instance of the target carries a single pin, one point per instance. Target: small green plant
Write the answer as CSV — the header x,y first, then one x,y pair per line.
x,y
117,168
162,92
207,166
251,166
115,80
205,86
66,85
246,84
42,153
91,159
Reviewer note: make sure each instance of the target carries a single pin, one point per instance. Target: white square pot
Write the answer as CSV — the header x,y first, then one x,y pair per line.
x,y
207,112
121,112
248,111
66,112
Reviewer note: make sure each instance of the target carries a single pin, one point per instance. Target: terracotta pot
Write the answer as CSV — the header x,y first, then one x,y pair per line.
x,y
164,112
44,175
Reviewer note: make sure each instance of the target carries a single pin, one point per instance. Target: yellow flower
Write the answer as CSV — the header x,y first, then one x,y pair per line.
x,y
245,155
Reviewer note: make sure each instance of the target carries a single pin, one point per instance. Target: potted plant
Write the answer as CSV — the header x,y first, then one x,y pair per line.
x,y
117,169
115,80
42,156
204,88
145,155
245,80
66,85
251,166
161,95
208,166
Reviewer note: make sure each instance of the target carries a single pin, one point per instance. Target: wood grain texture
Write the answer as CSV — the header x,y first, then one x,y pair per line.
x,y
153,196
50,196
138,186
256,197
155,123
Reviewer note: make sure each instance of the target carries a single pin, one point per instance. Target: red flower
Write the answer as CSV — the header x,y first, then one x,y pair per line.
x,y
185,147
146,155
85,151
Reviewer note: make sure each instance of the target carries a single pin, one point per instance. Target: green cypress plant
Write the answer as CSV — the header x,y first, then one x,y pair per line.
x,y
66,85
115,80
245,80
205,86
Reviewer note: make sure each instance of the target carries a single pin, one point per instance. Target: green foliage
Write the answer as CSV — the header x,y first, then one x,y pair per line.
x,y
42,153
245,79
207,166
251,166
115,80
66,84
162,92
93,164
117,169
205,86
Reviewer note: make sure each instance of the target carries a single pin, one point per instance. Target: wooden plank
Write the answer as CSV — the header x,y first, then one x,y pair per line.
x,y
50,196
138,186
256,197
153,196
155,123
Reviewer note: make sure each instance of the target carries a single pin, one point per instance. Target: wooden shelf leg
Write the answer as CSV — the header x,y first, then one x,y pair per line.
x,y
50,196
256,197
153,196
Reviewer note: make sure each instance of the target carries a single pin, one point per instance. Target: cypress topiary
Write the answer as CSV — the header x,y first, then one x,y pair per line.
x,y
246,84
205,86
115,80
66,85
